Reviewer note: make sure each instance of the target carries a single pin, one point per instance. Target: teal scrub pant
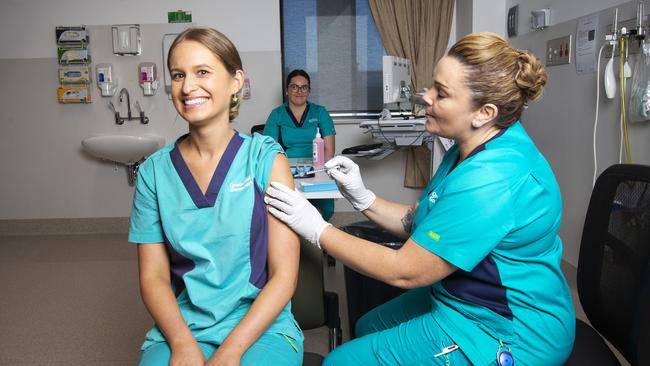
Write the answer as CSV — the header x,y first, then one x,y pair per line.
x,y
399,332
271,349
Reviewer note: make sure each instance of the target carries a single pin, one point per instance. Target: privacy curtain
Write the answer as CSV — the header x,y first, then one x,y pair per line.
x,y
417,30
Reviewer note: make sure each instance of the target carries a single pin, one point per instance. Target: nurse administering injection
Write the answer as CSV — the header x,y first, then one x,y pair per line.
x,y
482,252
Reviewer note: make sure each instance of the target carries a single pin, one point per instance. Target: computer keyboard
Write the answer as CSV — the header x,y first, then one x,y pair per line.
x,y
361,148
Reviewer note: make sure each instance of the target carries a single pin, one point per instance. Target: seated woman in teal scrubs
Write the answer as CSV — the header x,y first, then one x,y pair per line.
x,y
482,252
295,123
216,270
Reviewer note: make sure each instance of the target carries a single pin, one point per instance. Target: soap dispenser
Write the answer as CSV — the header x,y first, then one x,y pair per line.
x,y
148,75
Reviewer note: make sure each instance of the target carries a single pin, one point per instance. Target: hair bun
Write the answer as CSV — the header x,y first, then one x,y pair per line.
x,y
531,77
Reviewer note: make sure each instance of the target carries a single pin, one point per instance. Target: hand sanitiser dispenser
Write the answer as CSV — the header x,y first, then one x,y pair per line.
x,y
148,75
105,81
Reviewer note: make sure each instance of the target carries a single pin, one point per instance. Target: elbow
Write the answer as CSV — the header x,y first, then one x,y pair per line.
x,y
406,282
407,279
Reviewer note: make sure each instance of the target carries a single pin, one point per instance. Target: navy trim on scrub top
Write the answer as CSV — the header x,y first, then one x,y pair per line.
x,y
483,284
302,118
259,241
178,266
210,197
481,147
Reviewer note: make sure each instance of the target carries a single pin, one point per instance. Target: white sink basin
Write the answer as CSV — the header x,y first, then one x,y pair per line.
x,y
124,149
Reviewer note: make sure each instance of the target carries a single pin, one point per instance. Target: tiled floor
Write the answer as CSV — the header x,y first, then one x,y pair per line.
x,y
73,300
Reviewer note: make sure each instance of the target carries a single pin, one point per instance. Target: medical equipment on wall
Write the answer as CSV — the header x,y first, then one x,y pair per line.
x,y
246,90
106,83
640,92
74,35
396,72
148,78
73,57
167,41
74,94
78,74
126,39
639,108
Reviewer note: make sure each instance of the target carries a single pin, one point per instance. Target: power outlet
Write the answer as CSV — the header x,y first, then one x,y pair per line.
x,y
559,50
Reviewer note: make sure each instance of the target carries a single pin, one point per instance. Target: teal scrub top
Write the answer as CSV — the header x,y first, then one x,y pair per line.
x,y
218,241
496,217
297,136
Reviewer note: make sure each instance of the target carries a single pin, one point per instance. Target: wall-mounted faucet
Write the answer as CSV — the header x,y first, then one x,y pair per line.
x,y
120,120
128,101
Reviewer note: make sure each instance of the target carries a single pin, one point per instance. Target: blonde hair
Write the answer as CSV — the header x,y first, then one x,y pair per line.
x,y
500,74
222,47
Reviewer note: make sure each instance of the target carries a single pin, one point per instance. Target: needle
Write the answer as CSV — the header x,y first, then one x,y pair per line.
x,y
303,173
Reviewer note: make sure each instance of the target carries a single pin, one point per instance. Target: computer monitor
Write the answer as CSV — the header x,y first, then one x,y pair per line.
x,y
397,79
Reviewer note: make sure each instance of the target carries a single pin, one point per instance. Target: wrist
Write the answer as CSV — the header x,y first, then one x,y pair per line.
x,y
319,234
364,201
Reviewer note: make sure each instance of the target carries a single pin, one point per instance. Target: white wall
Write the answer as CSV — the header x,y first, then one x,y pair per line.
x,y
562,122
45,173
561,10
34,21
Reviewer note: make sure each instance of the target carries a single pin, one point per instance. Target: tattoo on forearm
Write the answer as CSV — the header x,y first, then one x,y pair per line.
x,y
407,220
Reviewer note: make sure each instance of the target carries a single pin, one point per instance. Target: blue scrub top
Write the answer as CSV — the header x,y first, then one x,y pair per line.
x,y
496,217
218,241
297,135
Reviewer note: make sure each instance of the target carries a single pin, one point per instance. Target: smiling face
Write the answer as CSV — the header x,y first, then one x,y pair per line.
x,y
450,112
202,88
298,90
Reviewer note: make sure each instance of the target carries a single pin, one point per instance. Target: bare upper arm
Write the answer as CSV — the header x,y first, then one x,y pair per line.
x,y
421,267
153,260
284,246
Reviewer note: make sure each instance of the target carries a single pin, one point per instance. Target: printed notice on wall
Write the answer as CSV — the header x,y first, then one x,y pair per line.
x,y
586,44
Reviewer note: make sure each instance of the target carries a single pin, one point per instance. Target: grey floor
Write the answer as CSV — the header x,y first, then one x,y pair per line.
x,y
73,300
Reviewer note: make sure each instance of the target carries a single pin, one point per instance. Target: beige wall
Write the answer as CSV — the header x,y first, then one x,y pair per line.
x,y
46,174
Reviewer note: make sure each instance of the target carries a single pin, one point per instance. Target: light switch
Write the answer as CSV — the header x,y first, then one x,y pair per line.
x,y
559,51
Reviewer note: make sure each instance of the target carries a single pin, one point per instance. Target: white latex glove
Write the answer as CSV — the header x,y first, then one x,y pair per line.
x,y
348,178
294,209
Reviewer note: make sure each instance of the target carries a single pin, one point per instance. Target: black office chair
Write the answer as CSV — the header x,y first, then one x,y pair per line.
x,y
614,270
257,128
312,306
365,293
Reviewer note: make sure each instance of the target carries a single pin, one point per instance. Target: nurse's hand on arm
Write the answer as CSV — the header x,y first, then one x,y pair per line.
x,y
157,295
283,258
411,266
392,216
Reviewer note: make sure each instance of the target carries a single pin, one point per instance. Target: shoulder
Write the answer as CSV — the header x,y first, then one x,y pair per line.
x,y
508,160
279,109
259,144
154,160
316,107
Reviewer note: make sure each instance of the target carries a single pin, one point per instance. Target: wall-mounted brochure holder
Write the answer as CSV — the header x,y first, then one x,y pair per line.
x,y
74,94
79,74
126,39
